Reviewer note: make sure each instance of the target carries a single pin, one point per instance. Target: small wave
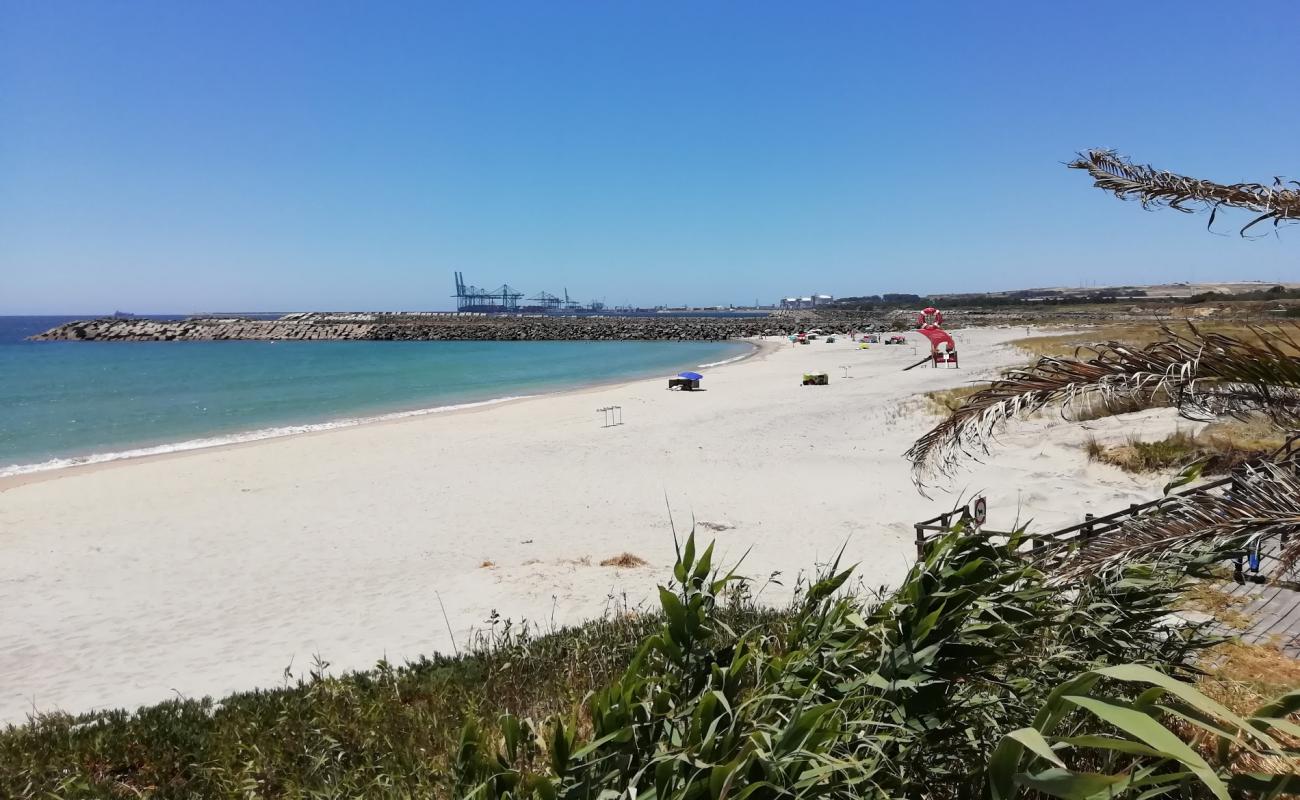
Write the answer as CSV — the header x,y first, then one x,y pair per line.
x,y
237,438
731,360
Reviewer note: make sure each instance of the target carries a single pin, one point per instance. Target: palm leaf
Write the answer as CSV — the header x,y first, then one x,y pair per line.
x,y
1156,188
1204,375
1263,504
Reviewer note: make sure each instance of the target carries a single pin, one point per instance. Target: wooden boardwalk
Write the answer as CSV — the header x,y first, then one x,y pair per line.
x,y
1272,605
1274,612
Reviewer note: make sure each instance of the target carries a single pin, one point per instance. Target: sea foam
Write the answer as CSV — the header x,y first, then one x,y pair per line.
x,y
237,438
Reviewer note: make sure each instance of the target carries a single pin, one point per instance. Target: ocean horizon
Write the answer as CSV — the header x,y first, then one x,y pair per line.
x,y
67,403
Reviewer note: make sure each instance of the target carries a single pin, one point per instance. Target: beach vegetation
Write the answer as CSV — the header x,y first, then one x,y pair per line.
x,y
946,401
1219,448
1174,451
391,731
1244,676
843,693
625,560
1083,341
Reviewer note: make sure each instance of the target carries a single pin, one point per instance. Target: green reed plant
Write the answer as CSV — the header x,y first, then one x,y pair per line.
x,y
900,698
1168,740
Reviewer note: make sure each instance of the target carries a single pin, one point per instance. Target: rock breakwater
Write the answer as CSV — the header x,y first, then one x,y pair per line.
x,y
443,327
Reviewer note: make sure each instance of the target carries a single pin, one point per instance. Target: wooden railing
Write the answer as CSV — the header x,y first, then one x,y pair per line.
x,y
1041,544
1091,526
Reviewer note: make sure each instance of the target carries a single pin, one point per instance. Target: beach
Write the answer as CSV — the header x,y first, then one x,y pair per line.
x,y
212,571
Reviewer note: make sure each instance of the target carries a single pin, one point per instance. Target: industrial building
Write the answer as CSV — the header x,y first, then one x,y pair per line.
x,y
811,301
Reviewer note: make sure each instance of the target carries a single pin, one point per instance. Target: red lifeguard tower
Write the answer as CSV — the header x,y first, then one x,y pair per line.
x,y
943,350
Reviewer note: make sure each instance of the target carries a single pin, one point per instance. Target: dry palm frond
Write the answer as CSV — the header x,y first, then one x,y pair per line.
x,y
1155,188
1203,375
1263,504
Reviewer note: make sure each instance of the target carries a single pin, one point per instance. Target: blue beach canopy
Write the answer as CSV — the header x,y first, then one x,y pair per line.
x,y
694,376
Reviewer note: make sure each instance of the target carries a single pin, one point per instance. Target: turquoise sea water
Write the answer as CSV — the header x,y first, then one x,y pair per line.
x,y
62,402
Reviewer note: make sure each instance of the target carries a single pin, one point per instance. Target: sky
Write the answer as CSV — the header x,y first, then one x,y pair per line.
x,y
165,157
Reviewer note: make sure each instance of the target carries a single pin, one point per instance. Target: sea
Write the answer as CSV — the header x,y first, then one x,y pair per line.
x,y
66,403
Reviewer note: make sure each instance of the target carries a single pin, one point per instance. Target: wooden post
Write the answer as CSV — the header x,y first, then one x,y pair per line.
x,y
1238,565
1087,528
920,542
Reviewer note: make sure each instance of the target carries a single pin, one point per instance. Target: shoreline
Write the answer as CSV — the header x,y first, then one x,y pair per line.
x,y
22,474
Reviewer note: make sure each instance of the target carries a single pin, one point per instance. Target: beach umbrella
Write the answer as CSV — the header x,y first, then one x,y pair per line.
x,y
692,376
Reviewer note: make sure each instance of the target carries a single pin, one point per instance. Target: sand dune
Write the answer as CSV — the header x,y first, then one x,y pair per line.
x,y
211,571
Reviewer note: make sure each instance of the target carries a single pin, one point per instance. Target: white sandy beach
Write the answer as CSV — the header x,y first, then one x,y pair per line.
x,y
211,571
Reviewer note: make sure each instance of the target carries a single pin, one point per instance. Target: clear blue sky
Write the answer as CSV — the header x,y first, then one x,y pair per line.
x,y
184,156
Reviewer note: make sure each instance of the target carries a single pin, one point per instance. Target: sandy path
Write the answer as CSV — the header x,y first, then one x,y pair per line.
x,y
210,571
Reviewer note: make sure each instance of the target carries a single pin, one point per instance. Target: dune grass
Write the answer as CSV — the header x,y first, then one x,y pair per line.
x,y
1176,450
1221,445
946,401
625,561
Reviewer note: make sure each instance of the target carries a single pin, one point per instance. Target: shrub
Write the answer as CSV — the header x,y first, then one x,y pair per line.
x,y
901,698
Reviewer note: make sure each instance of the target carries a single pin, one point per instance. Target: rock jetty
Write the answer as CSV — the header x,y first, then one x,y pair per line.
x,y
433,327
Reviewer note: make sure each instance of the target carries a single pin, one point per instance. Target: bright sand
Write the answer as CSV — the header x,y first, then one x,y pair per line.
x,y
211,571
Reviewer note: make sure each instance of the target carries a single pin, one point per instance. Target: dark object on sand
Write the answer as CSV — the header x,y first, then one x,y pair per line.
x,y
816,379
684,384
948,359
